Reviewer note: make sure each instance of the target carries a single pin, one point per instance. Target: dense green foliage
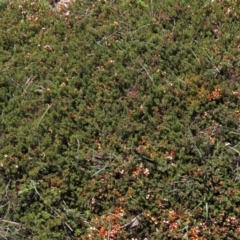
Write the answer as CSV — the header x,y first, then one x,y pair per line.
x,y
120,120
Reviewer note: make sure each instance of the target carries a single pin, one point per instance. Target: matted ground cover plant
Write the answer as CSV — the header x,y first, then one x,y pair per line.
x,y
119,120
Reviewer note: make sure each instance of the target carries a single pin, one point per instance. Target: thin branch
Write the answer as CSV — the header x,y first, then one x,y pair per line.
x,y
96,173
68,227
147,73
35,188
192,140
141,27
11,222
234,150
78,145
48,107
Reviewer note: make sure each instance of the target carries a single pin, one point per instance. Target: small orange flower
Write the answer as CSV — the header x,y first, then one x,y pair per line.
x,y
216,94
102,231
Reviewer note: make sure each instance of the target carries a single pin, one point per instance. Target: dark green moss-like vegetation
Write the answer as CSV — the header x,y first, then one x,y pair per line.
x,y
120,120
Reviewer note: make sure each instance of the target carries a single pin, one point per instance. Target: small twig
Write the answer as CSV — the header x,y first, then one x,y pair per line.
x,y
147,73
11,222
68,226
131,222
141,27
27,84
207,214
35,188
106,37
192,140
234,150
151,8
48,107
78,145
194,54
3,236
99,170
